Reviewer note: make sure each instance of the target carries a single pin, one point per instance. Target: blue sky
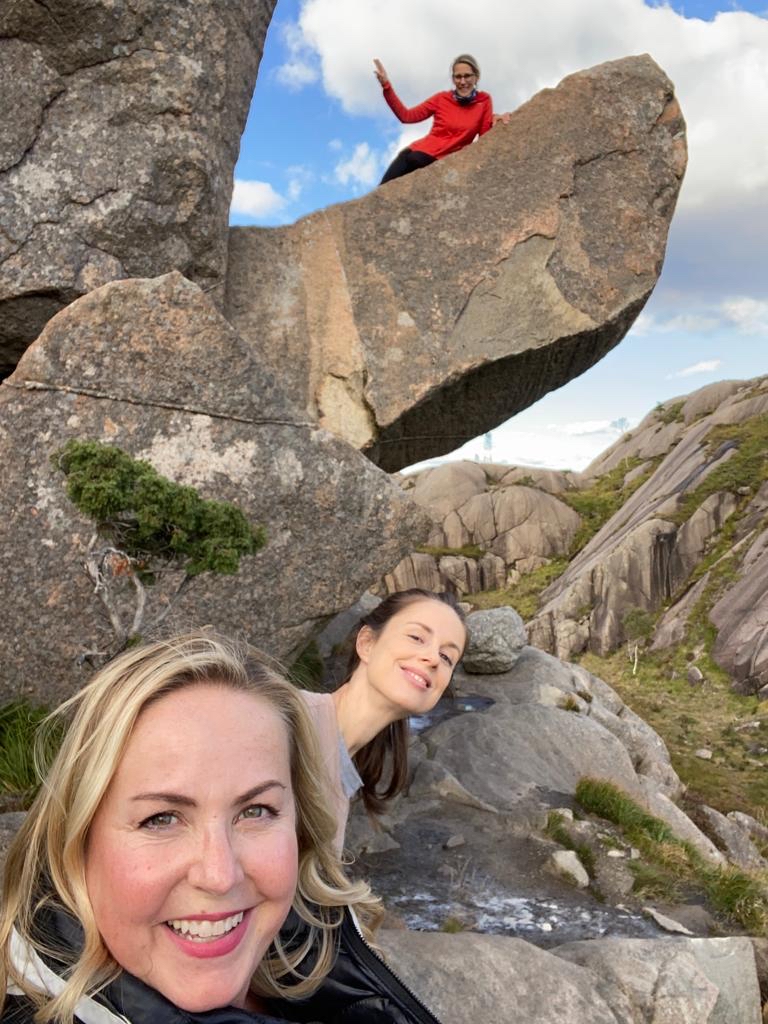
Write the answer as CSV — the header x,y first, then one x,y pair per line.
x,y
319,133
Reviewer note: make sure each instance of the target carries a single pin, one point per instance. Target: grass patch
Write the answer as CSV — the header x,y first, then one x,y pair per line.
x,y
607,801
557,830
19,726
670,861
467,551
308,669
596,504
747,467
735,779
525,595
670,413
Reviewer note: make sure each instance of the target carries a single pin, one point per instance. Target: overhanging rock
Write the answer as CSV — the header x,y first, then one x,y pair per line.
x,y
439,305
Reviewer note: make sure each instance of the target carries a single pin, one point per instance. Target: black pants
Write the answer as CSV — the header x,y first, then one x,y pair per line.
x,y
407,160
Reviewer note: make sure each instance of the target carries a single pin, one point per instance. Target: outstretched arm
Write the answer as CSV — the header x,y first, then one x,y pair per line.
x,y
408,115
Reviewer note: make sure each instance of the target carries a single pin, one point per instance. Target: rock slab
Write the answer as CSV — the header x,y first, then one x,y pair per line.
x,y
118,159
399,343
151,366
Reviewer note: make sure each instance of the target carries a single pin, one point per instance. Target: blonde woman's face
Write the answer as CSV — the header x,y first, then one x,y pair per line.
x,y
191,865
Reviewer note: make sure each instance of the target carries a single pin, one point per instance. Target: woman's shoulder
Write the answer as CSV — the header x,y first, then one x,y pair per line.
x,y
483,97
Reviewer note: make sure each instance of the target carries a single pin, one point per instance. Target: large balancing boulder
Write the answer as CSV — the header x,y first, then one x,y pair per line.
x,y
444,302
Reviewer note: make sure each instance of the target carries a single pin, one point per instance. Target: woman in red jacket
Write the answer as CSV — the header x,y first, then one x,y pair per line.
x,y
459,116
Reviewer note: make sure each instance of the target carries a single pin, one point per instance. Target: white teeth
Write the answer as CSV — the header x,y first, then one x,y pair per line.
x,y
200,931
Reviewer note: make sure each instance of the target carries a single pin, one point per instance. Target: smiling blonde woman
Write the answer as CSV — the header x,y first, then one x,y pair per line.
x,y
184,817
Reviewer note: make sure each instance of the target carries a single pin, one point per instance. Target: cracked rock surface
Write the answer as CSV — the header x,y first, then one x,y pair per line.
x,y
152,367
118,159
437,306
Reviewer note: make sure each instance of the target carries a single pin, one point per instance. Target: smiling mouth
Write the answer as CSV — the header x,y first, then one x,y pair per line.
x,y
204,931
419,680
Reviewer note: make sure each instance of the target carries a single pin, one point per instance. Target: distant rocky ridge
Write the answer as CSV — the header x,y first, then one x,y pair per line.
x,y
690,536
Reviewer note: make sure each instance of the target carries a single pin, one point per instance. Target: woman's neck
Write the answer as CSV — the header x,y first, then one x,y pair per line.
x,y
361,712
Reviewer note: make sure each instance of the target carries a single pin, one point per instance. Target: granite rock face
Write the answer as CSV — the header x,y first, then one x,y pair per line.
x,y
442,303
118,159
648,552
515,516
152,367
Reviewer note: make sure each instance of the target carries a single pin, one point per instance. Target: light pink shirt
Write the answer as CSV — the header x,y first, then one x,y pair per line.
x,y
342,774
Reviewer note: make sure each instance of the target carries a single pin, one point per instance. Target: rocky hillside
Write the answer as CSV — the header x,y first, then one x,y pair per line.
x,y
663,538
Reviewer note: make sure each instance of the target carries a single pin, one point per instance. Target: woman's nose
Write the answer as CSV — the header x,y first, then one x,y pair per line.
x,y
215,865
431,654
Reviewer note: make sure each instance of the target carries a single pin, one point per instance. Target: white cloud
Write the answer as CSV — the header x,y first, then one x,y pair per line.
x,y
582,428
706,366
718,67
749,315
300,69
362,168
255,198
690,323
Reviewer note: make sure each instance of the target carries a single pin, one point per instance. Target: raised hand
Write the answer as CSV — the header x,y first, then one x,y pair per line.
x,y
379,71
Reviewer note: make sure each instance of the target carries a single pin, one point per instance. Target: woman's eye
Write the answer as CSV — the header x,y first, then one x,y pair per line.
x,y
448,661
258,812
414,636
163,819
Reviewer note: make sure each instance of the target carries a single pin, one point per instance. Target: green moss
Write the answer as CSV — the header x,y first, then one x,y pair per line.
x,y
149,517
452,925
569,703
467,551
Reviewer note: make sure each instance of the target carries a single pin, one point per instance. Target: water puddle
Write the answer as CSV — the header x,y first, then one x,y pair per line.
x,y
449,708
540,920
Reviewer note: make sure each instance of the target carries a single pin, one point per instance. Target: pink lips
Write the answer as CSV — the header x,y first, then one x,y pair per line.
x,y
213,947
413,675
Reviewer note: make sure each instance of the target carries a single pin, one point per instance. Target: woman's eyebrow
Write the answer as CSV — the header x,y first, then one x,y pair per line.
x,y
186,801
431,631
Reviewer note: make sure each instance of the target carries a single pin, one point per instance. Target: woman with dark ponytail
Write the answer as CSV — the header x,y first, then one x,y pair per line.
x,y
402,660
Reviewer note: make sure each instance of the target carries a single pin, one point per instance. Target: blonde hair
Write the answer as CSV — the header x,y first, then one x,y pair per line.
x,y
45,866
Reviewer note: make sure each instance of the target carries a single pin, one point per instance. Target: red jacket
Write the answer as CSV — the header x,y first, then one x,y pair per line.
x,y
455,125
